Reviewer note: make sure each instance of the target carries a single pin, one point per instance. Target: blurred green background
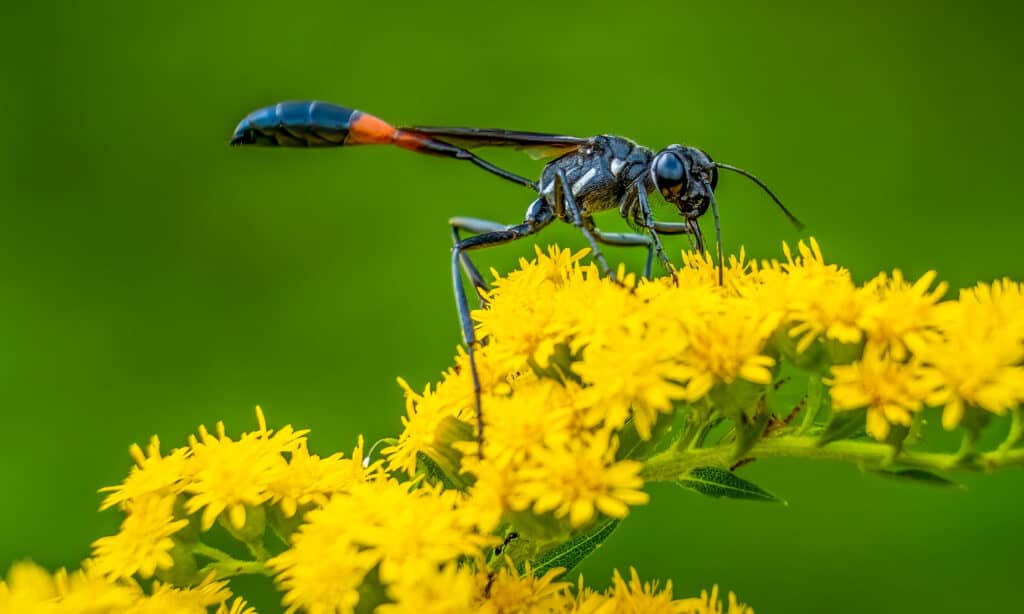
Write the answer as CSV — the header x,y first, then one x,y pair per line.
x,y
152,278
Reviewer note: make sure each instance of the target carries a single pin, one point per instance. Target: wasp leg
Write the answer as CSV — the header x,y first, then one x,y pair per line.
x,y
538,216
690,228
476,226
650,225
566,202
628,239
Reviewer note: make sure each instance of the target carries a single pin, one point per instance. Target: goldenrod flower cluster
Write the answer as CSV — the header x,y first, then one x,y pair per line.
x,y
30,589
590,387
575,364
335,533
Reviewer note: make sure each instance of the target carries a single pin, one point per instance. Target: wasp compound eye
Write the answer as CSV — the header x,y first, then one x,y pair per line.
x,y
670,175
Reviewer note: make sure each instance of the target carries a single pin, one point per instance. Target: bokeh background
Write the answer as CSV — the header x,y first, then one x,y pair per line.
x,y
152,278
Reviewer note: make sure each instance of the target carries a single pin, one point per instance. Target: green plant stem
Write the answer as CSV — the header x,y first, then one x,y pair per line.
x,y
234,567
210,552
673,462
258,550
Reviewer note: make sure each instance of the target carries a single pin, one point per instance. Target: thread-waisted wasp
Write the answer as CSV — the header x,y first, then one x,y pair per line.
x,y
587,175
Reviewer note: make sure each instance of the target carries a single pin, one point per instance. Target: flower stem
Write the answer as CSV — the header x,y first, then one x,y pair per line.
x,y
210,552
235,567
673,462
225,565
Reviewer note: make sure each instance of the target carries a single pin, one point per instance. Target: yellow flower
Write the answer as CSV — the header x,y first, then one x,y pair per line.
x,y
1001,303
506,591
153,474
143,543
426,414
86,590
193,600
309,480
822,300
899,317
230,475
579,479
890,390
322,570
381,523
28,588
649,385
527,296
422,527
701,271
637,597
450,590
238,606
979,360
537,417
710,604
725,345
590,310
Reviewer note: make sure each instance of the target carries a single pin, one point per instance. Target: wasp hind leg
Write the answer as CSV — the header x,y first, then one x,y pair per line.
x,y
538,216
475,226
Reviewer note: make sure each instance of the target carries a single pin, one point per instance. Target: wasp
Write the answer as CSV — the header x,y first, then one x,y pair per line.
x,y
584,175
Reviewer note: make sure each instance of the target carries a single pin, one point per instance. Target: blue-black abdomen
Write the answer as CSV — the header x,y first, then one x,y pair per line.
x,y
296,124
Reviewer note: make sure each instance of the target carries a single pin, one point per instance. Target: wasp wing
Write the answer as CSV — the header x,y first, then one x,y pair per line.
x,y
538,145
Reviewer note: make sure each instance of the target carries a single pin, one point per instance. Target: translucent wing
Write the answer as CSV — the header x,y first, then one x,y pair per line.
x,y
538,145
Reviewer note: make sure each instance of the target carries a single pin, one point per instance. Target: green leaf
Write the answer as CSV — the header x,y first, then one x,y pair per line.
x,y
844,425
717,482
816,400
750,430
572,552
435,474
920,476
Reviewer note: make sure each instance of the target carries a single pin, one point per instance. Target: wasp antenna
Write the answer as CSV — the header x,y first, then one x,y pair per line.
x,y
792,218
718,237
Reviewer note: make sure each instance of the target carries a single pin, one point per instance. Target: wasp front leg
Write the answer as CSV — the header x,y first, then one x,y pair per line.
x,y
629,239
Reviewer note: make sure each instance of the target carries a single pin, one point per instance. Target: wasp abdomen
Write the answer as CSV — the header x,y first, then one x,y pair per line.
x,y
311,124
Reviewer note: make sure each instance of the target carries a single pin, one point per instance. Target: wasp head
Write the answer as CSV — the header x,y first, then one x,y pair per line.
x,y
686,177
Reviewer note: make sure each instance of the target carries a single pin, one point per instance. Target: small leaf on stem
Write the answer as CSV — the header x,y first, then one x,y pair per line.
x,y
717,482
919,476
844,425
572,552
